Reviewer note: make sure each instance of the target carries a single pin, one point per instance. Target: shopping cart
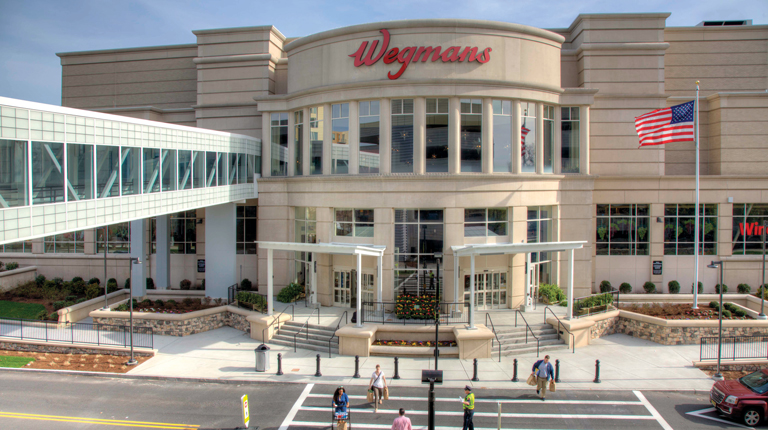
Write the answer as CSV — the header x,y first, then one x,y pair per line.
x,y
341,416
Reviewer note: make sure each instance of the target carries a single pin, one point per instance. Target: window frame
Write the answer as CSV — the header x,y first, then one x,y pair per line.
x,y
633,244
486,222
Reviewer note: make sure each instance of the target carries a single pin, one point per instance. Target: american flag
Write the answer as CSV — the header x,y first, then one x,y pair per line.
x,y
523,132
672,124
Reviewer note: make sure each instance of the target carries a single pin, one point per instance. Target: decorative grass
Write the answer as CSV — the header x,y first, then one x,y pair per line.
x,y
20,310
15,362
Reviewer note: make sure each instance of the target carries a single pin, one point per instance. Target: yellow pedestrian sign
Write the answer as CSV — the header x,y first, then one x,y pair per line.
x,y
246,418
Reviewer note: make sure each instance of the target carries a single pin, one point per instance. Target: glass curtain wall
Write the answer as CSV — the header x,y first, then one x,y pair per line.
x,y
279,141
246,229
419,235
130,171
622,230
569,139
242,173
502,136
151,170
169,170
748,222
549,139
316,133
231,173
528,136
298,139
185,170
198,167
72,242
118,238
183,233
369,136
47,172
437,136
107,171
340,138
79,172
13,173
211,167
402,135
221,169
471,135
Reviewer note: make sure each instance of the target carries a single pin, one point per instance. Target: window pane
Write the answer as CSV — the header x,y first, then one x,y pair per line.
x,y
406,215
251,168
363,230
431,238
431,215
528,137
250,230
497,229
569,138
79,172
402,143
502,142
364,215
130,171
344,229
221,170
549,142
340,139
107,171
316,140
369,140
169,170
603,225
497,214
151,170
47,172
344,215
471,138
298,140
437,143
185,170
231,173
279,141
474,215
407,238
474,230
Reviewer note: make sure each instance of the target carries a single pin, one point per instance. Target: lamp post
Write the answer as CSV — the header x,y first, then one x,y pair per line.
x,y
132,361
762,316
714,265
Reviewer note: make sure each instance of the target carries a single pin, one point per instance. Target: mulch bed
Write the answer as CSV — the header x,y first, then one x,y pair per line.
x,y
180,307
446,343
83,362
678,312
729,374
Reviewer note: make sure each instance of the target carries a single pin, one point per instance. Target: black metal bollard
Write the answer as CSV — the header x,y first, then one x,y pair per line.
x,y
397,370
357,366
597,372
474,377
318,366
279,364
514,371
557,371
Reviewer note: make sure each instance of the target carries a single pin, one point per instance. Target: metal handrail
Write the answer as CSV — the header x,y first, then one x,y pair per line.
x,y
264,330
306,324
528,326
346,321
559,325
493,329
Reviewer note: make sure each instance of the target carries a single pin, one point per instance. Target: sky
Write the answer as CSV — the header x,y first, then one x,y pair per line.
x,y
33,31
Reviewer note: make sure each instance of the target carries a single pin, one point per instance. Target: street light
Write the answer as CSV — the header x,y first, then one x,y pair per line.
x,y
134,260
714,265
762,284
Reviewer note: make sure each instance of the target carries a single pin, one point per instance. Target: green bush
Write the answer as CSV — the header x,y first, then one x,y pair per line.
x,y
674,287
552,292
47,284
605,286
727,313
12,266
58,305
762,291
291,293
42,315
39,280
731,307
594,301
127,284
257,301
77,287
94,281
150,284
77,279
146,303
743,288
625,288
92,291
740,313
111,281
80,300
54,316
714,305
246,284
171,303
159,303
717,289
649,287
185,284
188,301
58,281
701,288
111,288
125,307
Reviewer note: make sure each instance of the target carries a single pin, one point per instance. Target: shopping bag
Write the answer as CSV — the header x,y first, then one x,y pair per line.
x,y
370,396
386,393
552,386
532,380
342,425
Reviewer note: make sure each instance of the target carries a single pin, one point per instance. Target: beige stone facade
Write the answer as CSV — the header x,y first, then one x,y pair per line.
x,y
605,68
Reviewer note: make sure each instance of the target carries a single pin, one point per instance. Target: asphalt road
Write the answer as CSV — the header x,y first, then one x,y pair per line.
x,y
36,401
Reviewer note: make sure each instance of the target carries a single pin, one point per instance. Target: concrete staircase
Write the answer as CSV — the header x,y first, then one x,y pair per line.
x,y
513,340
318,337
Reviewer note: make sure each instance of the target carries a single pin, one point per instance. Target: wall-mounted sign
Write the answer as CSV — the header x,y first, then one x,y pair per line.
x,y
751,229
200,266
412,54
657,267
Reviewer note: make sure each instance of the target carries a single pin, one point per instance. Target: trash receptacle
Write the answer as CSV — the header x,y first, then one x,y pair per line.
x,y
262,358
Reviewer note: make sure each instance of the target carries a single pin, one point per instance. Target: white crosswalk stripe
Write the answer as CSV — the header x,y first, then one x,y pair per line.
x,y
492,414
503,401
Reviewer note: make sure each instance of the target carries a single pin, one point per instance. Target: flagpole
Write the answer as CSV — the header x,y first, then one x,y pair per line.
x,y
696,223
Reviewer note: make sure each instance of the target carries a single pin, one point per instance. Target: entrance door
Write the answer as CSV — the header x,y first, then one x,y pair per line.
x,y
490,289
533,283
342,288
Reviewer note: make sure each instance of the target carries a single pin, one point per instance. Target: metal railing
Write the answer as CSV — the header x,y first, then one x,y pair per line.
x,y
734,347
559,326
493,329
449,314
276,320
346,321
306,324
82,333
596,303
235,290
529,329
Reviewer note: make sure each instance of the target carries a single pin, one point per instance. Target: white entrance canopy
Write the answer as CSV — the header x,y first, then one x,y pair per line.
x,y
511,248
326,248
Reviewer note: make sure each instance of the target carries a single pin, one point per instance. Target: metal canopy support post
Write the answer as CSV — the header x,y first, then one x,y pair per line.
x,y
456,281
270,297
359,276
528,298
379,283
472,291
570,283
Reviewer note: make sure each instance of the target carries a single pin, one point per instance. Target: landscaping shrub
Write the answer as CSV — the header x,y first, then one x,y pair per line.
x,y
743,288
77,279
674,287
246,284
740,313
185,284
111,288
94,281
188,301
111,281
146,303
625,288
92,291
47,284
51,292
552,292
58,281
727,313
762,291
54,316
58,305
170,302
150,284
291,293
125,307
649,287
12,266
714,305
258,302
80,300
71,298
594,301
159,303
39,280
42,315
605,286
717,289
731,307
127,284
78,287
701,288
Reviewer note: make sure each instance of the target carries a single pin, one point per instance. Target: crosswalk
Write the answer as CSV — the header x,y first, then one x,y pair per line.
x,y
494,409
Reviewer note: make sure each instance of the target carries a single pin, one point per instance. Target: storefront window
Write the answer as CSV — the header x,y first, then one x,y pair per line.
x,y
183,233
418,236
298,139
245,235
549,138
23,246
471,135
340,138
316,140
437,135
622,229
679,224
528,136
402,136
66,243
569,139
502,136
540,231
369,136
485,222
748,222
13,173
279,141
118,238
354,222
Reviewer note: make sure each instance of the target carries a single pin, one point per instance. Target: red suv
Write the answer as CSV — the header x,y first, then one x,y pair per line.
x,y
745,399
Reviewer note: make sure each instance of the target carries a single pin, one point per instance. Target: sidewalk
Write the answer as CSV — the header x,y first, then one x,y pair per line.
x,y
627,363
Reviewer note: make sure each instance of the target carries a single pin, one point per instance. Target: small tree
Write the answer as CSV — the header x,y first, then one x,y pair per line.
x,y
625,288
674,287
185,284
649,287
743,288
717,289
605,286
246,284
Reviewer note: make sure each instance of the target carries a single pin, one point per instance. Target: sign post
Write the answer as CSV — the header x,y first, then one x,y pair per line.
x,y
246,417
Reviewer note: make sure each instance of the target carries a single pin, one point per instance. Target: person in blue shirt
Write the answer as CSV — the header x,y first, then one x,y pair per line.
x,y
340,402
542,369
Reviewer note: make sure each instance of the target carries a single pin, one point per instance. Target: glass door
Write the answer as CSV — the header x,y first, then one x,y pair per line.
x,y
368,288
533,283
342,288
490,290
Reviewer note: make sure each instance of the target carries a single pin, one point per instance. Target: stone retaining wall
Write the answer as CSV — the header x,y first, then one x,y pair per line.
x,y
70,349
179,324
238,322
604,328
726,366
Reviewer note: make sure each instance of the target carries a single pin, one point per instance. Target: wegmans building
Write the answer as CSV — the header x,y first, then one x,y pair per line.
x,y
407,143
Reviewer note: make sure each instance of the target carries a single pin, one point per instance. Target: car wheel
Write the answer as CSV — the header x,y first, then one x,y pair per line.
x,y
752,417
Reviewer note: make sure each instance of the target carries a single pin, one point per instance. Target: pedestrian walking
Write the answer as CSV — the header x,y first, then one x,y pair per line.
x,y
378,384
402,422
544,373
340,404
468,402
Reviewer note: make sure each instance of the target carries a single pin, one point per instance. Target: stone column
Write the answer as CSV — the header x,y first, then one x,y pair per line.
x,y
163,255
584,140
557,162
487,144
419,135
385,137
139,271
454,141
89,241
266,145
220,250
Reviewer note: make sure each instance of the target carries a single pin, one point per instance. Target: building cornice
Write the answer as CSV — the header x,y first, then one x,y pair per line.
x,y
270,28
629,46
122,50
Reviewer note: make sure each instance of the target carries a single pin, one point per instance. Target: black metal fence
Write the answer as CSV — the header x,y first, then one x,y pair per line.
x,y
82,333
596,303
255,301
734,347
387,313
